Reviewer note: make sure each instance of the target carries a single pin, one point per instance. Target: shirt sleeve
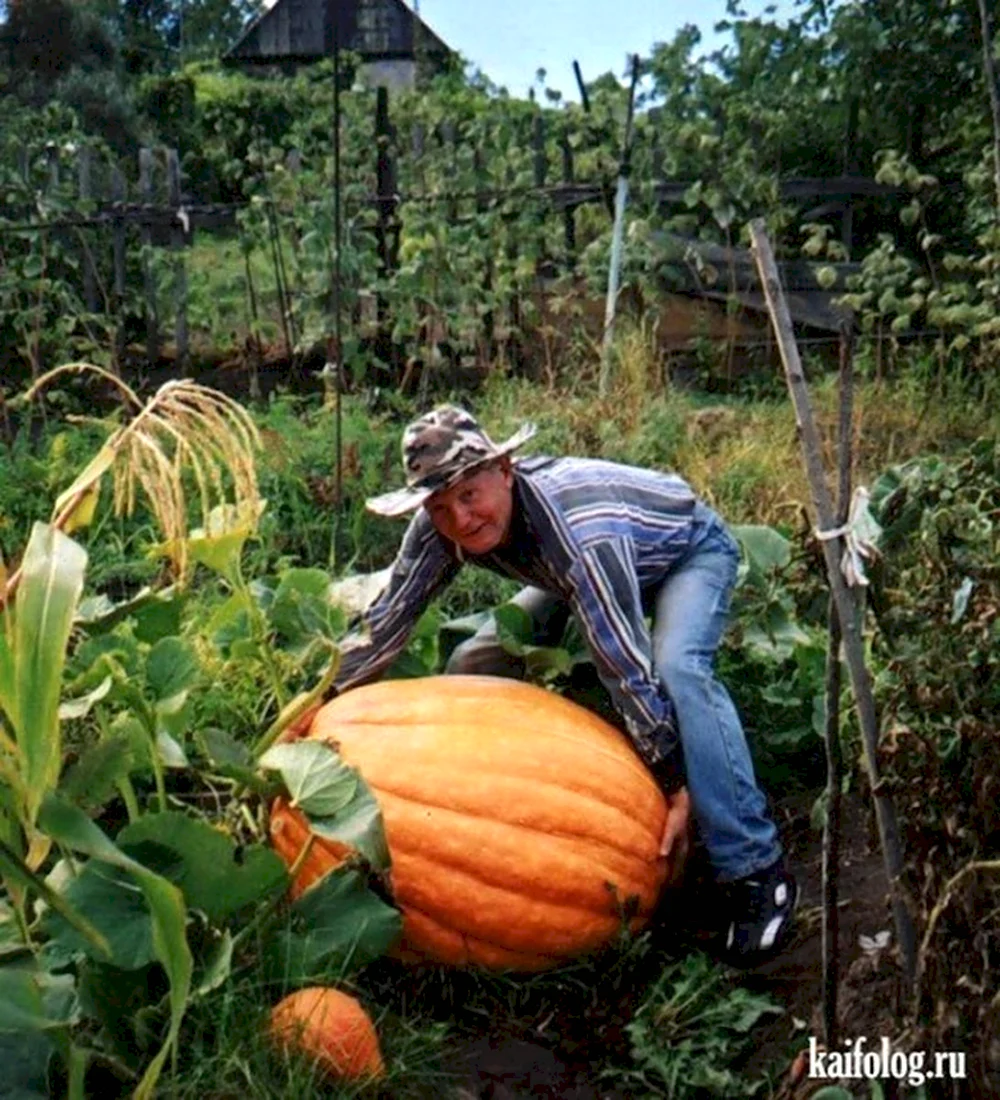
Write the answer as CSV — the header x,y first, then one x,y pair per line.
x,y
608,605
421,569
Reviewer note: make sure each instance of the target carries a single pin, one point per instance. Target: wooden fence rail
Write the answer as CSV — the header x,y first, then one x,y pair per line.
x,y
166,217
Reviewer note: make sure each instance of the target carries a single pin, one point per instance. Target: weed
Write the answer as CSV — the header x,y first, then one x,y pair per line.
x,y
690,1028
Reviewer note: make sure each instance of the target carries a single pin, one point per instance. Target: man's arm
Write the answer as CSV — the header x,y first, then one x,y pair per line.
x,y
607,602
421,569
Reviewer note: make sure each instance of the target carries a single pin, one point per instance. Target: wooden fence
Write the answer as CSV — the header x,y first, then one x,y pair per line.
x,y
166,216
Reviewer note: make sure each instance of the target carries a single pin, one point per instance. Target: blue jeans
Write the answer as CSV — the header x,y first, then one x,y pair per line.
x,y
689,611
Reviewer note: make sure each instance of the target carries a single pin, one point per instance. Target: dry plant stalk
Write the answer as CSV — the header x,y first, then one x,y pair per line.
x,y
183,427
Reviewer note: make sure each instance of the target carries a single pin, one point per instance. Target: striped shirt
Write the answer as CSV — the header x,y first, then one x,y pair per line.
x,y
595,533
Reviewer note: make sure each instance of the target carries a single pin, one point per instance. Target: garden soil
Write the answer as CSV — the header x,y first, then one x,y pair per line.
x,y
562,1062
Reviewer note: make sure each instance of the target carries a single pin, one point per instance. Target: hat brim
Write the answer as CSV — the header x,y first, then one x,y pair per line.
x,y
408,499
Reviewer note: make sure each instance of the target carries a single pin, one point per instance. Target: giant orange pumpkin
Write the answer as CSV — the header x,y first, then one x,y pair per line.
x,y
520,825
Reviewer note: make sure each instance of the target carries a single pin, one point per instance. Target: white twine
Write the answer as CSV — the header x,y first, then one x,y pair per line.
x,y
860,534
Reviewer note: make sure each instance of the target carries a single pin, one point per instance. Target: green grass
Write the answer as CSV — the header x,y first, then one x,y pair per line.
x,y
227,1054
219,308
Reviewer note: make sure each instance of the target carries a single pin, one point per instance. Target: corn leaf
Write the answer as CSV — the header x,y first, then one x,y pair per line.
x,y
51,584
89,478
14,870
72,828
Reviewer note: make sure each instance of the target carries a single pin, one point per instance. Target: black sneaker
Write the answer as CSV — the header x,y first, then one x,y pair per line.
x,y
762,907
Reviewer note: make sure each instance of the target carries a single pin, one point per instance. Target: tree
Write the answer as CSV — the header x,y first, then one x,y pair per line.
x,y
44,39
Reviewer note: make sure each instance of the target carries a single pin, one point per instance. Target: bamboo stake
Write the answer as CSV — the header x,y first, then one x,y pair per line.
x,y
831,732
864,700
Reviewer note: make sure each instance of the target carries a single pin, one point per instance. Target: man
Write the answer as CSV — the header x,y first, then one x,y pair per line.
x,y
607,543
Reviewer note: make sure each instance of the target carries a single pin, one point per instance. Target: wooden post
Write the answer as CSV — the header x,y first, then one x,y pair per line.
x,y
293,165
850,163
990,76
148,278
656,159
118,247
512,318
387,226
540,169
284,307
84,165
178,232
448,132
569,211
482,206
52,155
854,653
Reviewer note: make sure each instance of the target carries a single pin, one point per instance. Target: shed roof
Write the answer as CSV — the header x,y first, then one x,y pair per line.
x,y
303,30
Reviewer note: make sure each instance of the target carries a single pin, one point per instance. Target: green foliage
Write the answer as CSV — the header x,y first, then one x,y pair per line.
x,y
690,1027
135,928
937,603
472,237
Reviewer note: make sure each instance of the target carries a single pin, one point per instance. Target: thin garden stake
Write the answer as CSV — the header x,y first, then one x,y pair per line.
x,y
292,327
885,814
253,342
990,76
335,13
617,234
831,730
279,284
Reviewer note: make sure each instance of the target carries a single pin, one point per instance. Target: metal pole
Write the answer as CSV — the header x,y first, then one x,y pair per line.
x,y
337,302
617,234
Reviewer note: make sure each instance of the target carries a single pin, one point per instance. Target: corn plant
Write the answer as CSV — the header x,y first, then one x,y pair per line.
x,y
97,920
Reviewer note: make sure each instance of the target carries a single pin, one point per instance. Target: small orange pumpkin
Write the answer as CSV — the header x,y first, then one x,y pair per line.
x,y
331,1027
519,823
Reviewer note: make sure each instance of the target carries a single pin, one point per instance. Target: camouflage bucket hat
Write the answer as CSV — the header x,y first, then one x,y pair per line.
x,y
438,449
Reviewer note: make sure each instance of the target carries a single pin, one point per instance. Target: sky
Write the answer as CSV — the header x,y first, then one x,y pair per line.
x,y
511,40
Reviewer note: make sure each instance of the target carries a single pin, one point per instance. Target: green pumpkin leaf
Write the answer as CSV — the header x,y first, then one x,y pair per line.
x,y
34,1000
92,780
319,783
11,937
360,825
69,826
301,607
172,668
336,926
115,906
222,748
155,613
229,622
25,1058
14,870
204,863
170,752
764,550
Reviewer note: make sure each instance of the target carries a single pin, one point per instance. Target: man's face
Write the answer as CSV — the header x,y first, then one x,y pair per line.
x,y
475,512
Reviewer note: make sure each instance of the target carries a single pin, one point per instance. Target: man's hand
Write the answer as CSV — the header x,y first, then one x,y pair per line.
x,y
675,829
